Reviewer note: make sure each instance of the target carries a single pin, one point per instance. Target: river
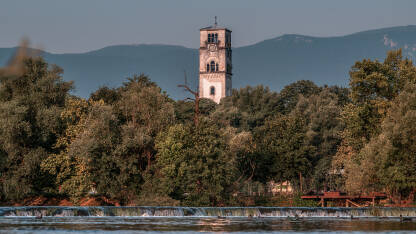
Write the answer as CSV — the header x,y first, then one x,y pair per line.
x,y
204,219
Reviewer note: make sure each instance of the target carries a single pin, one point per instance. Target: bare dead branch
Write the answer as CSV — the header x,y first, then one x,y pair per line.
x,y
196,100
188,89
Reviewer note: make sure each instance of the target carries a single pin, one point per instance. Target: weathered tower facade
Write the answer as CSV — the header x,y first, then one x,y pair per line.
x,y
215,63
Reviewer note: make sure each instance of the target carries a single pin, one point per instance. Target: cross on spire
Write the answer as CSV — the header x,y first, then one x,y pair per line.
x,y
215,24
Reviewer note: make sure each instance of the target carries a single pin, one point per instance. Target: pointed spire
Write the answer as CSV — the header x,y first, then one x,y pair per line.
x,y
215,24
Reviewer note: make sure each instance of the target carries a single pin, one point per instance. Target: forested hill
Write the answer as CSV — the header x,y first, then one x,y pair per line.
x,y
274,63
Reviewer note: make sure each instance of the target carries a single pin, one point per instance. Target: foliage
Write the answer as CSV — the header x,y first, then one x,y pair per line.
x,y
289,96
299,202
195,168
396,145
31,102
322,115
374,86
242,148
144,111
374,81
282,140
184,110
70,172
389,160
95,145
108,95
247,108
135,145
106,148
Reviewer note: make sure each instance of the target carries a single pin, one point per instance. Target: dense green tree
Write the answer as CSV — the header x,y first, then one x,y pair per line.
x,y
289,96
31,101
3,160
107,147
144,111
242,148
322,114
206,107
247,108
373,87
285,153
108,95
342,93
194,164
388,161
398,159
95,145
185,110
70,170
375,81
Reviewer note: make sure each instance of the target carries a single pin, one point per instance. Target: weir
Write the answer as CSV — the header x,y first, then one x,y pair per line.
x,y
102,211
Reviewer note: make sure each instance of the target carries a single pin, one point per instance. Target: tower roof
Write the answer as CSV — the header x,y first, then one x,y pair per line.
x,y
214,27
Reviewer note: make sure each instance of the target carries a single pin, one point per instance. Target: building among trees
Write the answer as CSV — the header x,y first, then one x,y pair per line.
x,y
215,69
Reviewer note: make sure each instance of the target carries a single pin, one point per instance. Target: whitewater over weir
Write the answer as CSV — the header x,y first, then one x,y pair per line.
x,y
110,219
143,211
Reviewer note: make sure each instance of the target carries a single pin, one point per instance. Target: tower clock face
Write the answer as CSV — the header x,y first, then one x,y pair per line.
x,y
212,48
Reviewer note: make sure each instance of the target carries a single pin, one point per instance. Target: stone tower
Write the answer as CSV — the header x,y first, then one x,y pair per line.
x,y
215,63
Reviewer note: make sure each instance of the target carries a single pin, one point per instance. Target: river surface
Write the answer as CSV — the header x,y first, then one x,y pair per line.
x,y
210,219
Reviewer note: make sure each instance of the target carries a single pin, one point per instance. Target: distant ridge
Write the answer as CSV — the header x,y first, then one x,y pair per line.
x,y
274,62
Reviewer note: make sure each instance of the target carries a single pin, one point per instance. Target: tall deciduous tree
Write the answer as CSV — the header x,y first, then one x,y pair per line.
x,y
194,164
31,101
388,161
145,111
289,96
373,87
70,170
283,143
247,108
324,126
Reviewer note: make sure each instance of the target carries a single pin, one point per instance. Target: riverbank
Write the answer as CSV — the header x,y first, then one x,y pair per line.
x,y
169,211
246,201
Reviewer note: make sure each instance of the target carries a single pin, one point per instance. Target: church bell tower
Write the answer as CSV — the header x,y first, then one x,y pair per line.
x,y
215,63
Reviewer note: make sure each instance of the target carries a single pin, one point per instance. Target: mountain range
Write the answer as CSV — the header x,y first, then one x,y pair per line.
x,y
275,62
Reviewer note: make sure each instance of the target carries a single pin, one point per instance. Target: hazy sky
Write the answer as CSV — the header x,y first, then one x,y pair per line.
x,y
82,25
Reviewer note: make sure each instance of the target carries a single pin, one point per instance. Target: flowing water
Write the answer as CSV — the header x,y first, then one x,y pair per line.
x,y
106,219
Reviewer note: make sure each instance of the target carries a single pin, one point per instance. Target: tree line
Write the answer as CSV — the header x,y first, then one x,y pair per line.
x,y
136,145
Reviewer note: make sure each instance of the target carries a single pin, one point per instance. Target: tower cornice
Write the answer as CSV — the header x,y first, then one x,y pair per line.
x,y
211,28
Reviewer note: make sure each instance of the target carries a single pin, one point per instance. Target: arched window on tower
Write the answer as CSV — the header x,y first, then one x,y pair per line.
x,y
209,37
212,66
207,67
212,90
217,67
216,38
